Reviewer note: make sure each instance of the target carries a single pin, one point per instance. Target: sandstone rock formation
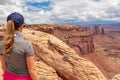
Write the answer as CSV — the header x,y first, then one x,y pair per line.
x,y
116,77
81,40
45,72
108,46
1,72
108,67
102,31
65,61
56,61
1,31
78,38
96,30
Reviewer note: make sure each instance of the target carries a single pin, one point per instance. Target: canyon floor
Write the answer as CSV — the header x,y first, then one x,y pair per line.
x,y
107,57
108,45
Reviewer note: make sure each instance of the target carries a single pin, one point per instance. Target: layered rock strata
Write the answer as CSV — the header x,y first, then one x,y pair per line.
x,y
67,64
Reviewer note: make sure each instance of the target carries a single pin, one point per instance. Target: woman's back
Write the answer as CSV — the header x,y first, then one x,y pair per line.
x,y
16,61
16,53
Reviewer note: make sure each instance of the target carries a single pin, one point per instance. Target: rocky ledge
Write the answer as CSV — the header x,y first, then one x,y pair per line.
x,y
60,61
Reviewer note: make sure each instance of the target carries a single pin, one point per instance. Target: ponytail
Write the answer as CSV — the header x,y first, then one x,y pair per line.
x,y
9,37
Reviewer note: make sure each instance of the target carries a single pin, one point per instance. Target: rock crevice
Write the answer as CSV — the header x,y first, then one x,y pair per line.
x,y
76,68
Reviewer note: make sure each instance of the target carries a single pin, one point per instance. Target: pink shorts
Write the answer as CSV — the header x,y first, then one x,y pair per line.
x,y
9,76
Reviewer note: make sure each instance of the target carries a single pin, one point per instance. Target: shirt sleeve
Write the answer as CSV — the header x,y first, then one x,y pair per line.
x,y
29,51
1,49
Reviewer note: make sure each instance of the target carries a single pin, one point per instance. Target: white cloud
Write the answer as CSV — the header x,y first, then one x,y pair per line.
x,y
63,10
32,1
9,6
88,9
3,2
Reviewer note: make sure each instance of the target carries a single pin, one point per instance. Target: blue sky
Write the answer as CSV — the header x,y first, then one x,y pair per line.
x,y
63,11
45,5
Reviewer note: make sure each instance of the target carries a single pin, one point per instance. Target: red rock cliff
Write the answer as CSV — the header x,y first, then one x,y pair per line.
x,y
60,61
78,38
81,40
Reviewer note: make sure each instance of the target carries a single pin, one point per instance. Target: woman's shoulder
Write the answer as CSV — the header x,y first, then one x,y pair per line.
x,y
27,41
22,41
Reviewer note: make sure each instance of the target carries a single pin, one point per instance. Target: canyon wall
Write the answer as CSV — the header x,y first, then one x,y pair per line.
x,y
78,38
59,60
2,29
65,62
81,39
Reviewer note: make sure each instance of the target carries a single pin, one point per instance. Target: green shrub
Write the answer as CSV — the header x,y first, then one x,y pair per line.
x,y
43,78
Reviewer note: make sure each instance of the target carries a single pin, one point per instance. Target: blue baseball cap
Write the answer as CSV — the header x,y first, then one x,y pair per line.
x,y
17,17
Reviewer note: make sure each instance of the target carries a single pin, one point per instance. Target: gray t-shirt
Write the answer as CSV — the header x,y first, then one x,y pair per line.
x,y
16,62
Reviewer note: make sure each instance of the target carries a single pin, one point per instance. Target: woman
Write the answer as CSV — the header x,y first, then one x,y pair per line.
x,y
16,53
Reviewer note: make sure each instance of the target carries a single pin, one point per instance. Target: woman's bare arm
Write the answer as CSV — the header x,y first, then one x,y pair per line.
x,y
31,67
3,63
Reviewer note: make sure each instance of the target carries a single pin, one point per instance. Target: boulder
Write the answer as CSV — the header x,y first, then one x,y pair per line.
x,y
64,60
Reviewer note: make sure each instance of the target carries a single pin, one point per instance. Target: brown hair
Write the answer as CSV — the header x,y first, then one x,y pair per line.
x,y
9,37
